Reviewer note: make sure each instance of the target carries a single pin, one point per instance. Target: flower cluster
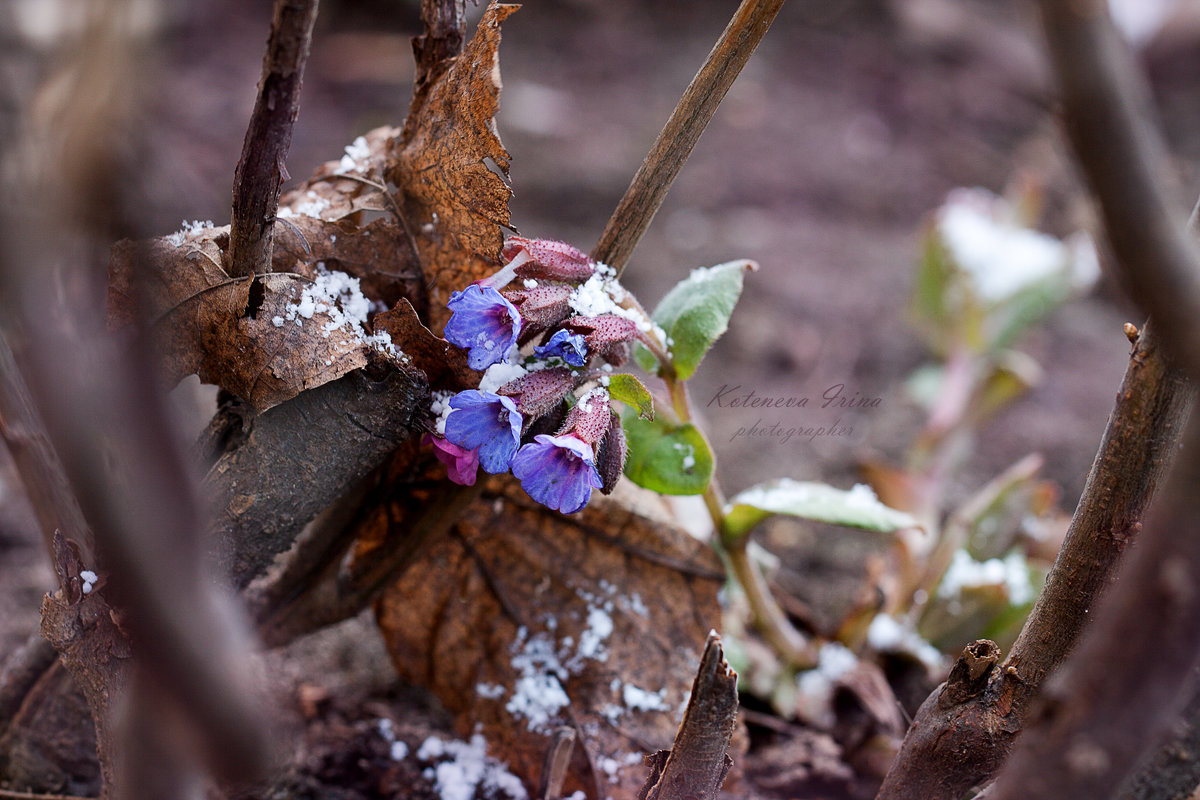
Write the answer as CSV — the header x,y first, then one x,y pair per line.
x,y
546,329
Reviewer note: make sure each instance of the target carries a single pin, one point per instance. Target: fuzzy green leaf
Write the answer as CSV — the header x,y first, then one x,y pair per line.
x,y
696,312
666,458
856,508
633,393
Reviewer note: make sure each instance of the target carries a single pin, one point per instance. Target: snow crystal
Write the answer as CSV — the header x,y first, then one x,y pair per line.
x,y
338,296
886,634
499,374
356,156
1012,572
189,229
468,769
538,693
591,641
530,283
310,206
489,691
439,406
815,687
642,700
601,294
543,664
89,580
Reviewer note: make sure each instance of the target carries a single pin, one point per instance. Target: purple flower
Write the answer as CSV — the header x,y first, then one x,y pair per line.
x,y
461,464
486,421
484,323
568,346
557,471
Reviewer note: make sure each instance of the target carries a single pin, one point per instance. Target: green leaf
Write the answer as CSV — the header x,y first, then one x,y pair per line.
x,y
856,508
666,458
632,392
644,358
697,310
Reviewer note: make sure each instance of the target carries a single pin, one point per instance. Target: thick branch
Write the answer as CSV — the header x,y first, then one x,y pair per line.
x,y
1173,771
302,455
1142,434
434,51
1139,443
679,136
41,472
1121,686
260,171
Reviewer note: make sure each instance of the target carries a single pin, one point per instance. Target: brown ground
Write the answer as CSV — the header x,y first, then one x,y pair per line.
x,y
846,129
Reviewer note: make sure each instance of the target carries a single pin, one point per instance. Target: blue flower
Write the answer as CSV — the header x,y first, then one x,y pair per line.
x,y
568,346
486,421
557,471
484,323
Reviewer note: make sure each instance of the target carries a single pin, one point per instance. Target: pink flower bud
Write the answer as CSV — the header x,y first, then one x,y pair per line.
x,y
588,419
611,454
541,307
608,334
537,393
545,259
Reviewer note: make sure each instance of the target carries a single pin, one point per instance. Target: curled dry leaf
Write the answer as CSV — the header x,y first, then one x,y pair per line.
x,y
444,364
255,336
523,620
454,203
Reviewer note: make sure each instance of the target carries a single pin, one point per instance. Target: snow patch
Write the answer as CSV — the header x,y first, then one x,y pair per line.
x,y
886,634
1000,257
1012,572
464,768
189,229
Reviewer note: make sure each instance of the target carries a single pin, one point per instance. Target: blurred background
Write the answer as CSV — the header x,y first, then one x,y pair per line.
x,y
844,134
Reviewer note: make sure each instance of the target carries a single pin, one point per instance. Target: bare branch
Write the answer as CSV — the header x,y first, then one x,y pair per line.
x,y
41,471
260,171
1139,441
681,132
1122,684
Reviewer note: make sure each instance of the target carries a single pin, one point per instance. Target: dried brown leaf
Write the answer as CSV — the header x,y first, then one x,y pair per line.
x,y
244,334
520,606
455,205
444,364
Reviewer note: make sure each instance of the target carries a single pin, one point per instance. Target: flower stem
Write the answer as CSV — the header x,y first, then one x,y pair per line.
x,y
789,643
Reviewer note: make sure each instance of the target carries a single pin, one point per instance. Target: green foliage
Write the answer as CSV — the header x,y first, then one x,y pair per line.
x,y
666,458
694,314
633,393
856,508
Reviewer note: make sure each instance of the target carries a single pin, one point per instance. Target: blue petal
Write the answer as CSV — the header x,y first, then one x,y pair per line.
x,y
484,323
570,347
557,471
488,422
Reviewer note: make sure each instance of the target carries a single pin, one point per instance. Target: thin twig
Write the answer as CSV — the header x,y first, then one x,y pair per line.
x,y
679,136
260,171
41,471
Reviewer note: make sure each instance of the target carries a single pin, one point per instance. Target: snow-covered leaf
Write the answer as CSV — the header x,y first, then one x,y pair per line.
x,y
696,312
522,620
855,508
